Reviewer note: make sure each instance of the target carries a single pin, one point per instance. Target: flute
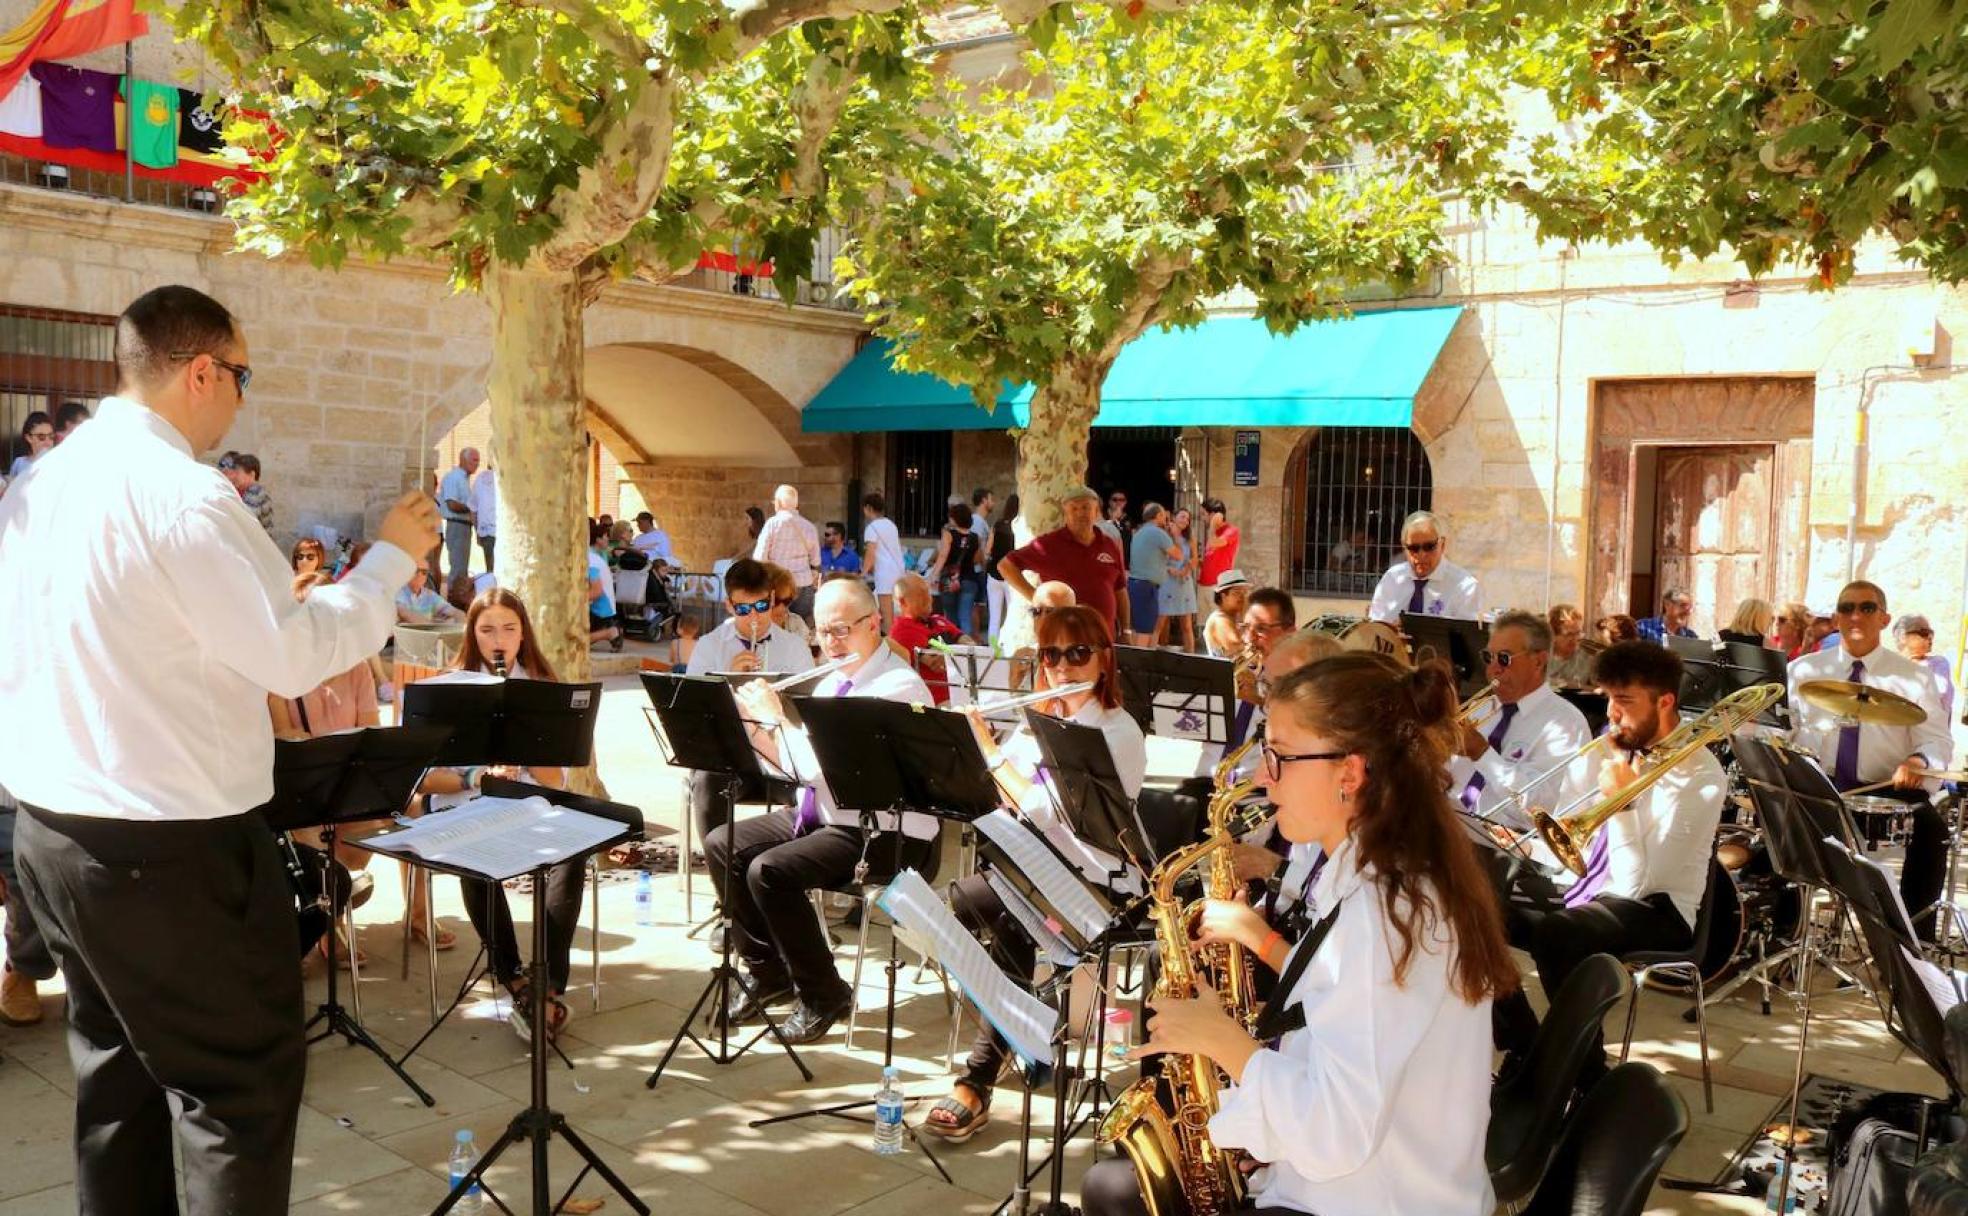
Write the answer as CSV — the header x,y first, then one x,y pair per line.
x,y
1034,698
813,673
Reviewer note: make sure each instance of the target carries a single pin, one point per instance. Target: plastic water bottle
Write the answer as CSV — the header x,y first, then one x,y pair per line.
x,y
888,1114
645,900
1120,1034
464,1155
1777,1187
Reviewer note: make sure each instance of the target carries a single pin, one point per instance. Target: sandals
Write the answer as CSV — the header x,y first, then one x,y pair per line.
x,y
445,938
962,1122
558,1014
341,949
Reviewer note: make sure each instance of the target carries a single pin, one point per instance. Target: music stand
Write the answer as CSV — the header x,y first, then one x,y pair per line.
x,y
538,723
1711,671
700,728
880,758
1197,692
976,669
1086,787
348,777
1460,641
1589,702
538,1123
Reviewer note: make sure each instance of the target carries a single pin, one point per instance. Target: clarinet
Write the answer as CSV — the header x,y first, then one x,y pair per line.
x,y
309,909
499,663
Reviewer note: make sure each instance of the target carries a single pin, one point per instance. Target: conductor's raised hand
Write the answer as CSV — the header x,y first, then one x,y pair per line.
x,y
411,524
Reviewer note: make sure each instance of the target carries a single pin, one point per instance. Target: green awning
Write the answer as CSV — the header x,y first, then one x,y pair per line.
x,y
1362,370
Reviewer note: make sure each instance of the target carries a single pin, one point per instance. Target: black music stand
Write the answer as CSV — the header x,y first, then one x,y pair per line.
x,y
1591,703
503,721
539,1122
699,727
1711,671
1086,787
881,757
1460,641
1183,684
342,778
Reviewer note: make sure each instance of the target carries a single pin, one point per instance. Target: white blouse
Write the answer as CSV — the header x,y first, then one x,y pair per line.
x,y
1380,1105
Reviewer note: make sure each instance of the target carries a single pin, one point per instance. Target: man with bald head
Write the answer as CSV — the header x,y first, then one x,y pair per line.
x,y
1425,582
789,539
454,498
917,626
785,854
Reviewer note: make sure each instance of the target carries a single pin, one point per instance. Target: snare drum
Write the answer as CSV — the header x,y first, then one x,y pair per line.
x,y
1878,819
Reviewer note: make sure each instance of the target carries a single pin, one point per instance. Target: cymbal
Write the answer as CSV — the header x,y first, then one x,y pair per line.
x,y
1861,702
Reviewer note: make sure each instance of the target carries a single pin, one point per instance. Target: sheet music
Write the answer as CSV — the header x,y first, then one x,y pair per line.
x,y
1053,948
1058,884
1024,1020
461,676
1944,987
504,837
1177,760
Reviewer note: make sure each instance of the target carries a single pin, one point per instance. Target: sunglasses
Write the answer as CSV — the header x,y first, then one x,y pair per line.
x,y
1501,658
1078,654
751,606
1858,607
1422,546
241,374
840,632
1275,760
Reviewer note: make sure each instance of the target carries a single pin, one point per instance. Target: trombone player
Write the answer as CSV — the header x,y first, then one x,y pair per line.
x,y
1647,870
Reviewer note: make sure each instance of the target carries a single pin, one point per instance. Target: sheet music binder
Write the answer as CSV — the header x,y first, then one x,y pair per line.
x,y
1026,859
1086,787
1182,684
1460,641
628,819
348,776
878,755
525,722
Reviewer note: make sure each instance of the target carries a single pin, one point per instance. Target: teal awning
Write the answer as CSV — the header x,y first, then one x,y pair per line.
x,y
1362,370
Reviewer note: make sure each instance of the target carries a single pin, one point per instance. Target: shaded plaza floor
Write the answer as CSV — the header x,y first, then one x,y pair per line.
x,y
367,1146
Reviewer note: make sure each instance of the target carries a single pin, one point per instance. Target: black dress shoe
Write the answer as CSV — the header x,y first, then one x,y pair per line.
x,y
809,1023
748,996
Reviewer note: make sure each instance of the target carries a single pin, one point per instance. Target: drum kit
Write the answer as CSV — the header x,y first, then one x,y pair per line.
x,y
1760,910
1359,633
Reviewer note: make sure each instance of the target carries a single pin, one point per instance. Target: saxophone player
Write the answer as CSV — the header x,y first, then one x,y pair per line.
x,y
1366,1087
1075,649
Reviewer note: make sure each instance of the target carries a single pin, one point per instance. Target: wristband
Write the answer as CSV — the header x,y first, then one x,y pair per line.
x,y
1264,947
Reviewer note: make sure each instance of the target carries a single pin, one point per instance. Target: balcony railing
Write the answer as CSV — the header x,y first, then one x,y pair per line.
x,y
815,293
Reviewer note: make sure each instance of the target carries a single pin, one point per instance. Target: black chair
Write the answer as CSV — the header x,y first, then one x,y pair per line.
x,y
1171,818
1614,1147
1527,1108
1687,962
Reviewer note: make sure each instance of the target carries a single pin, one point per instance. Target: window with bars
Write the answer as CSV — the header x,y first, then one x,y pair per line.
x,y
48,357
918,481
1348,490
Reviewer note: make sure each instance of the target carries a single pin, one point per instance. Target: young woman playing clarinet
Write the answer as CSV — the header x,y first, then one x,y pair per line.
x,y
1074,648
1369,1091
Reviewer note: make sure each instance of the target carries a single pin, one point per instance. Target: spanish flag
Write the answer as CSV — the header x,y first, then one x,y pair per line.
x,y
63,29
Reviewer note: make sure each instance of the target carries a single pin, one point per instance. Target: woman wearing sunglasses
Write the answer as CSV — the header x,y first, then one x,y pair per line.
x,y
1367,1086
1074,648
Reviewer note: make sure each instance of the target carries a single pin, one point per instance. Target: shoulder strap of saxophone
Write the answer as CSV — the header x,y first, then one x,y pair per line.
x,y
1280,1017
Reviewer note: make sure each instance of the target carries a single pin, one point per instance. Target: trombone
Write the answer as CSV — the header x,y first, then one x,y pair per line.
x,y
1567,834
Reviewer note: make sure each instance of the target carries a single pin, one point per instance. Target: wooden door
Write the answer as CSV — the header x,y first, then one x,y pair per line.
x,y
1714,508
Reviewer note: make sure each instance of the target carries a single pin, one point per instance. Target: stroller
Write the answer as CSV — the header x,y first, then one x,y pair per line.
x,y
645,601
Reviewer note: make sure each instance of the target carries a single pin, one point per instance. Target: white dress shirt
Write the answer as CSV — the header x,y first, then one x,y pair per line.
x,y
1881,748
1451,591
885,675
778,651
1546,729
485,502
1380,1105
1129,749
653,544
1664,841
155,709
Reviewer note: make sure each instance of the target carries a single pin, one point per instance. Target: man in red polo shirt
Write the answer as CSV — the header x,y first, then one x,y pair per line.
x,y
1078,555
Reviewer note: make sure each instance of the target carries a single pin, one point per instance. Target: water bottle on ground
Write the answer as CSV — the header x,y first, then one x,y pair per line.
x,y
645,899
1776,1187
464,1155
888,1113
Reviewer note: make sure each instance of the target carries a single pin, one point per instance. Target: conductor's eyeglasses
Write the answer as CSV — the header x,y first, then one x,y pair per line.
x,y
1076,655
1421,546
751,606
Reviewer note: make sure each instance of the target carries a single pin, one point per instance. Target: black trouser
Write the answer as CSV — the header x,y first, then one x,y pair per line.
x,y
486,544
712,797
27,950
1923,874
1110,1188
491,915
1560,941
773,927
979,907
177,941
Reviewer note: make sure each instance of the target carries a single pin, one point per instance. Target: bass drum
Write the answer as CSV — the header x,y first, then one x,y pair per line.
x,y
1359,633
1755,914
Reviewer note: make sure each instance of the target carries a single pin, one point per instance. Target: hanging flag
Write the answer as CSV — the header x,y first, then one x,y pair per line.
x,y
20,110
62,29
199,125
152,133
78,107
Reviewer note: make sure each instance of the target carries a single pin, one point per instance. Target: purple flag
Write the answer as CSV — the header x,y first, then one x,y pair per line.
x,y
78,107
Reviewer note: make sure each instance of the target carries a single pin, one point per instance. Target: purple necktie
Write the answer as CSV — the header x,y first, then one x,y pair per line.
x,y
807,817
1845,772
1595,872
1241,726
1472,793
1414,601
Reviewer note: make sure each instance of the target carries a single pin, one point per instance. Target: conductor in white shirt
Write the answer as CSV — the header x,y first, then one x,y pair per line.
x,y
1856,754
138,755
1643,890
1426,582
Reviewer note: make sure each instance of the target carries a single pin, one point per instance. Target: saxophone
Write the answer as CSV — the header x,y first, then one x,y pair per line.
x,y
1179,1168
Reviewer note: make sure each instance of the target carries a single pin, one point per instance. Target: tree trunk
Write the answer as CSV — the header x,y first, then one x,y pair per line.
x,y
539,429
1052,459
